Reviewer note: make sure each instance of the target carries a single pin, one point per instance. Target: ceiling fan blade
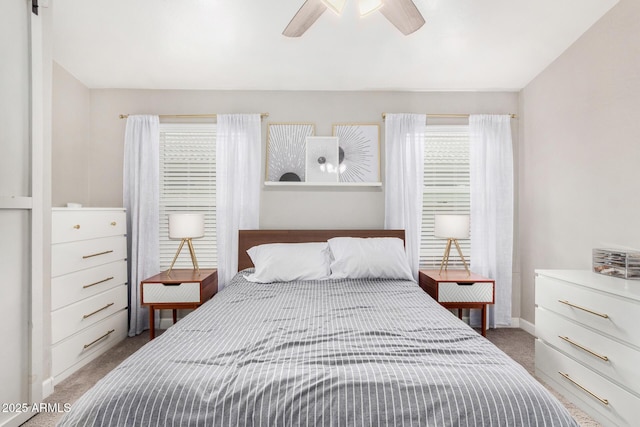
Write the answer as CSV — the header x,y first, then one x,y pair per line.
x,y
304,18
403,14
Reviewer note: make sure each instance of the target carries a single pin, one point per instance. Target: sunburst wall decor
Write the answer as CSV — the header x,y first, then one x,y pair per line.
x,y
359,151
286,143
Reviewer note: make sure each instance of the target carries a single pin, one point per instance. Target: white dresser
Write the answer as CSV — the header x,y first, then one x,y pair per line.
x,y
88,285
588,342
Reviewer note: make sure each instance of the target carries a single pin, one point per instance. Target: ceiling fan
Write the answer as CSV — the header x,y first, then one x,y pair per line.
x,y
402,13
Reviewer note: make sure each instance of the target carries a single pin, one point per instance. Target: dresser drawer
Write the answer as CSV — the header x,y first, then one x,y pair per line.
x,y
155,293
476,292
621,406
69,257
73,225
73,287
93,339
612,315
75,317
590,348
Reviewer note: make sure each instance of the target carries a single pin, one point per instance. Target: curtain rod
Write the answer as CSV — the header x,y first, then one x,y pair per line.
x,y
449,116
190,116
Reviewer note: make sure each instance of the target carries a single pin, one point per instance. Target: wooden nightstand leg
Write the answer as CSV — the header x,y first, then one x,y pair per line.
x,y
152,323
484,320
175,316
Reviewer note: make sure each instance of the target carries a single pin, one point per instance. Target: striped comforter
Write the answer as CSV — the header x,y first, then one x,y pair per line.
x,y
333,353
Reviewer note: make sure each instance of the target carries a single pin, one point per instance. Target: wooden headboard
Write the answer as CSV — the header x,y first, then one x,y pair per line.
x,y
249,238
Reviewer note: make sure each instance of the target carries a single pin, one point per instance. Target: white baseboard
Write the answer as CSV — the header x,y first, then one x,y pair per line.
x,y
47,387
528,327
15,419
515,323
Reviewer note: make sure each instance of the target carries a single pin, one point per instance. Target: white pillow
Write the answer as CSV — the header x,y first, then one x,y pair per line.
x,y
284,262
374,257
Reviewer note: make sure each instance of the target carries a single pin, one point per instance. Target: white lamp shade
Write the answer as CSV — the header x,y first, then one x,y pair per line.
x,y
186,226
452,226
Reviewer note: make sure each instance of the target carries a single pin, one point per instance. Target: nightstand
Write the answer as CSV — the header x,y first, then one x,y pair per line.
x,y
181,289
459,289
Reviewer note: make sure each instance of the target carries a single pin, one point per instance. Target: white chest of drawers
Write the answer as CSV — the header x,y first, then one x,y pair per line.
x,y
88,285
588,341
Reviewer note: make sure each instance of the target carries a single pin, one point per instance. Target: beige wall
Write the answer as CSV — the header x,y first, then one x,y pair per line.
x,y
280,208
71,119
580,151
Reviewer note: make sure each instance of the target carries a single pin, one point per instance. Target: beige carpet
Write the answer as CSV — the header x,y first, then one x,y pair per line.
x,y
515,342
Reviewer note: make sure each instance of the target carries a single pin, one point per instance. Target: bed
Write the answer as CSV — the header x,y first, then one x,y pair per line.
x,y
344,352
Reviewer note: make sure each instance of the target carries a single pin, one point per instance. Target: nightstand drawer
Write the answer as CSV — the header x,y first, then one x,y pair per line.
x,y
176,289
158,293
476,292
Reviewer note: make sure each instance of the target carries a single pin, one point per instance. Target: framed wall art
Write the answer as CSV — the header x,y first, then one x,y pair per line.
x,y
359,151
322,159
286,148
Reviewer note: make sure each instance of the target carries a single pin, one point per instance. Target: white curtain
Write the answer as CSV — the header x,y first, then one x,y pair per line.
x,y
404,163
238,145
491,177
140,189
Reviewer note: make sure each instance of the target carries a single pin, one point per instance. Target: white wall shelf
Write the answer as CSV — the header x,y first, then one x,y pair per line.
x,y
321,184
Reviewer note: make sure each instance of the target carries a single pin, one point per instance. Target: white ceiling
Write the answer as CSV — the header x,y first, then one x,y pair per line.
x,y
237,44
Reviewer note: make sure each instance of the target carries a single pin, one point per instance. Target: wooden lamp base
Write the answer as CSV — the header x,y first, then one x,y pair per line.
x,y
194,261
445,258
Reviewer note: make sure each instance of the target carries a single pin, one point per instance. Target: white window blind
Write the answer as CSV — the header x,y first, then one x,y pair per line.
x,y
446,191
188,184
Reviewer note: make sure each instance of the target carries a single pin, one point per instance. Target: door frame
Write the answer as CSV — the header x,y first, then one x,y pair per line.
x,y
38,203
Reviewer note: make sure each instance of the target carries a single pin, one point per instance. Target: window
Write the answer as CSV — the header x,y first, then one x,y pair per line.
x,y
446,190
188,184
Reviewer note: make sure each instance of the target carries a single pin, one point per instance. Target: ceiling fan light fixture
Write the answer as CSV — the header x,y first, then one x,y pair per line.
x,y
335,5
403,14
368,6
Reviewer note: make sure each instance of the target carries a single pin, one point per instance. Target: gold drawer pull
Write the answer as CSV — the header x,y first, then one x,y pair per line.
x,y
98,310
98,339
77,226
113,223
99,253
97,283
606,316
581,347
567,377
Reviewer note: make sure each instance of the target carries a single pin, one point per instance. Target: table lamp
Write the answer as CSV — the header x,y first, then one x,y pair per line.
x,y
452,228
186,226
